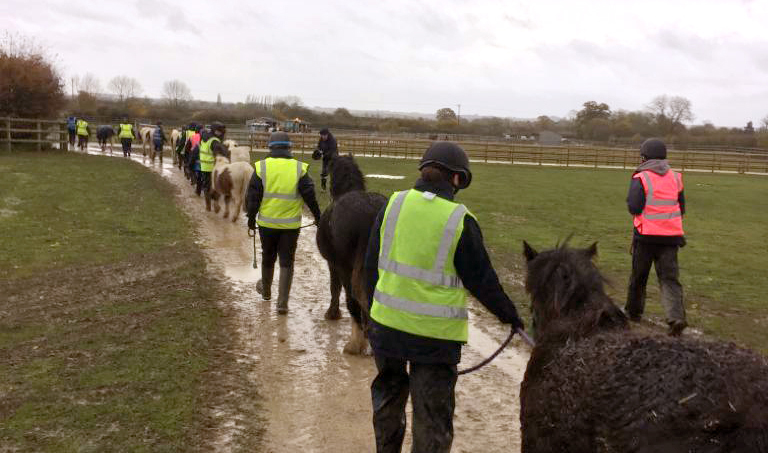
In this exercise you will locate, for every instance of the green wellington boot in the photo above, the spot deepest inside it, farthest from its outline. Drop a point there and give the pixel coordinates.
(264, 285)
(284, 289)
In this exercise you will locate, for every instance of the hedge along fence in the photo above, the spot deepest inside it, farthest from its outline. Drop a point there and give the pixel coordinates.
(44, 133)
(53, 133)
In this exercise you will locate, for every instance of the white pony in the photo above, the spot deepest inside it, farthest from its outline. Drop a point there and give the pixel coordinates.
(175, 138)
(146, 139)
(230, 180)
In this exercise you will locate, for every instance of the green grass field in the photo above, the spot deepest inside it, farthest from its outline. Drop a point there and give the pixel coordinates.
(723, 267)
(106, 319)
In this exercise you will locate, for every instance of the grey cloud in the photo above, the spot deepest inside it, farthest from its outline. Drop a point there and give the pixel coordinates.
(519, 23)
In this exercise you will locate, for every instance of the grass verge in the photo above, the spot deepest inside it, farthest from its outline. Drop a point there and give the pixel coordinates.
(109, 331)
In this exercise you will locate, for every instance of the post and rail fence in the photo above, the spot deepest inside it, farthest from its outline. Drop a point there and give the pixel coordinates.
(47, 134)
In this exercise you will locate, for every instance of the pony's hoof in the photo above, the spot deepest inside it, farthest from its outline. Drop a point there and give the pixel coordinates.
(357, 348)
(216, 209)
(332, 314)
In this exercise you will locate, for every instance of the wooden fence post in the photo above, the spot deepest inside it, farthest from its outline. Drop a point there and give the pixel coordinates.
(8, 132)
(39, 136)
(486, 152)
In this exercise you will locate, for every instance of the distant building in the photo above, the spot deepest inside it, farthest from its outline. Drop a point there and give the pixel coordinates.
(549, 138)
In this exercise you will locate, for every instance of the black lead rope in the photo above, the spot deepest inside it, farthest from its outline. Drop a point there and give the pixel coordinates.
(498, 351)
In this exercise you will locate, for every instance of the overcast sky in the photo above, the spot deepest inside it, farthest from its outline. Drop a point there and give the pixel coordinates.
(506, 58)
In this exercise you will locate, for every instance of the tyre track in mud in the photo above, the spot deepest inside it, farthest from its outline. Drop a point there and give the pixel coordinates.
(313, 397)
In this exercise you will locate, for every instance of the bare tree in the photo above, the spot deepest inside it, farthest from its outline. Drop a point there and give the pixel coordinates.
(680, 110)
(176, 93)
(670, 112)
(125, 87)
(89, 83)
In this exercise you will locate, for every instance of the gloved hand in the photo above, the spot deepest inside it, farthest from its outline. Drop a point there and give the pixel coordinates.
(317, 154)
(251, 223)
(513, 318)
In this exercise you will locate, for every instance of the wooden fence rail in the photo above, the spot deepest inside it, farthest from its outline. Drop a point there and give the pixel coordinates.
(53, 133)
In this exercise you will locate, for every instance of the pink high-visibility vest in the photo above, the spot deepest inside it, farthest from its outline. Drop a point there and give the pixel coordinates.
(194, 140)
(661, 215)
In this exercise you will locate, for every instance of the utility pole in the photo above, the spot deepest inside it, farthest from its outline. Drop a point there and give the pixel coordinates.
(458, 116)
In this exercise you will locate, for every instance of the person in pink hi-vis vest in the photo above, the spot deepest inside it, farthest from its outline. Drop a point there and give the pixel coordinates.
(657, 203)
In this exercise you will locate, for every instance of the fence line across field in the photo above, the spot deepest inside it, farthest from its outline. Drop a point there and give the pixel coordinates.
(739, 161)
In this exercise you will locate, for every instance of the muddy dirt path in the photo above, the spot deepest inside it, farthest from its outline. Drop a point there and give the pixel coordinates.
(316, 398)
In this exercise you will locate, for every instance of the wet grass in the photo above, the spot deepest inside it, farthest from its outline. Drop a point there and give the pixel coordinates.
(107, 319)
(723, 267)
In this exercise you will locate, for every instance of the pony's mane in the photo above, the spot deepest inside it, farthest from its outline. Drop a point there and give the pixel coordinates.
(567, 293)
(345, 176)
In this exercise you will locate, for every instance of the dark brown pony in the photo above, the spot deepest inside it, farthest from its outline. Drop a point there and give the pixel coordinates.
(342, 237)
(593, 385)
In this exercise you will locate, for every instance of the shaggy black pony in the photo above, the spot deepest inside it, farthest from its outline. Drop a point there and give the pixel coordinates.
(593, 385)
(342, 237)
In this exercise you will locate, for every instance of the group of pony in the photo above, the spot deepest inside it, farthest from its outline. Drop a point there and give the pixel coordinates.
(593, 383)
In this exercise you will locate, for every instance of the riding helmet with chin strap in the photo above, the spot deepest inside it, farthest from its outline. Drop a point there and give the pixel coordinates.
(653, 148)
(217, 126)
(451, 157)
(278, 140)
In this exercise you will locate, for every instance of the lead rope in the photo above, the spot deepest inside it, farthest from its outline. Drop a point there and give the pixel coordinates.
(485, 362)
(252, 233)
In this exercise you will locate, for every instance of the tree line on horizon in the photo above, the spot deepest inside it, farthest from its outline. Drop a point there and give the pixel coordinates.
(32, 87)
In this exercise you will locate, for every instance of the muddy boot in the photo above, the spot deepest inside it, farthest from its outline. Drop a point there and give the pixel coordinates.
(264, 285)
(284, 289)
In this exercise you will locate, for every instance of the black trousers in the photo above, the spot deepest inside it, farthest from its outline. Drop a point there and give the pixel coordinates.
(72, 135)
(664, 258)
(126, 142)
(431, 387)
(326, 165)
(278, 243)
(203, 182)
(82, 141)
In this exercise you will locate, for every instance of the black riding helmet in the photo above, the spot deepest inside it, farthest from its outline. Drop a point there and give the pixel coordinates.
(217, 126)
(450, 156)
(653, 148)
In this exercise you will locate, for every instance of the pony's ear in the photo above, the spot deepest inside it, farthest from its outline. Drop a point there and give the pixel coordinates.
(591, 251)
(529, 252)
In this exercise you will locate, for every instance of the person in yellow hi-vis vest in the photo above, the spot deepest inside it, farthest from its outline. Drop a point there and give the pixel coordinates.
(277, 191)
(83, 131)
(210, 147)
(426, 252)
(126, 136)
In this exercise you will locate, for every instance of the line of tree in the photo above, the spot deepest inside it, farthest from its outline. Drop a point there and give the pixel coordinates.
(31, 86)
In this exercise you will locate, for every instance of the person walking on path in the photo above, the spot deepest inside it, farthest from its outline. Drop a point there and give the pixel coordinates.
(278, 189)
(72, 131)
(83, 131)
(158, 141)
(126, 136)
(210, 147)
(425, 253)
(326, 149)
(657, 203)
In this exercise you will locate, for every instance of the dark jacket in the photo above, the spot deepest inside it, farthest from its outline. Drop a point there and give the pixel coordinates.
(473, 267)
(328, 147)
(256, 189)
(636, 202)
(158, 136)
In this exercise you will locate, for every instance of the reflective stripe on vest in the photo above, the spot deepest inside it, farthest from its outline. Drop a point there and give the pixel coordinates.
(126, 131)
(82, 126)
(207, 161)
(281, 202)
(418, 290)
(661, 215)
(282, 196)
